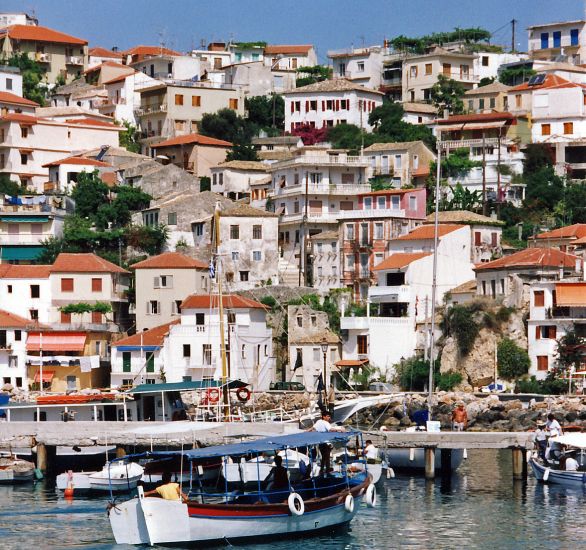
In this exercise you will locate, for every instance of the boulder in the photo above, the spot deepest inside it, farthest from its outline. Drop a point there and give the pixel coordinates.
(512, 405)
(392, 422)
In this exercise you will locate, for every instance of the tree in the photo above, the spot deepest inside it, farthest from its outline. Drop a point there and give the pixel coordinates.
(571, 350)
(515, 76)
(266, 112)
(34, 85)
(512, 361)
(227, 125)
(486, 80)
(537, 156)
(129, 138)
(458, 321)
(472, 36)
(8, 186)
(447, 93)
(346, 136)
(573, 205)
(311, 75)
(412, 374)
(457, 164)
(89, 193)
(462, 199)
(389, 126)
(205, 184)
(310, 135)
(241, 151)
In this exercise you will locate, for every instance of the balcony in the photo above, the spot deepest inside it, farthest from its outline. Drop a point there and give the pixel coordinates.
(312, 217)
(461, 76)
(41, 57)
(325, 160)
(24, 239)
(323, 189)
(370, 214)
(73, 60)
(365, 323)
(151, 109)
(390, 294)
(89, 327)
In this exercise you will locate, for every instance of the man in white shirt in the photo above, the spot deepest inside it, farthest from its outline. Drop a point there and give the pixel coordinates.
(370, 451)
(553, 426)
(571, 464)
(324, 425)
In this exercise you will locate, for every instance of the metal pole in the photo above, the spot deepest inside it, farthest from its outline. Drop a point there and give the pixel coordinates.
(483, 174)
(325, 380)
(41, 357)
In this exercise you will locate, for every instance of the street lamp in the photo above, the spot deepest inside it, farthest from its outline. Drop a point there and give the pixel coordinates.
(324, 349)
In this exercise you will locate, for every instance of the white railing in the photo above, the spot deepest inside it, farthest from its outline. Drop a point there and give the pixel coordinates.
(399, 293)
(373, 213)
(315, 217)
(73, 60)
(316, 160)
(324, 189)
(41, 57)
(364, 323)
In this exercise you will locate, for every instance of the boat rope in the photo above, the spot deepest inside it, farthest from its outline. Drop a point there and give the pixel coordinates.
(111, 506)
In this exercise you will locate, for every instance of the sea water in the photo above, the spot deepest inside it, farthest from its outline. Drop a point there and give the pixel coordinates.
(480, 507)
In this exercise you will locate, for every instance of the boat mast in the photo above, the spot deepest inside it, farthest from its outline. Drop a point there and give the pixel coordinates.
(225, 392)
(434, 277)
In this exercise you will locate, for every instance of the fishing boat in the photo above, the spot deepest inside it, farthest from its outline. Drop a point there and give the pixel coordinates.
(311, 505)
(114, 476)
(15, 470)
(550, 469)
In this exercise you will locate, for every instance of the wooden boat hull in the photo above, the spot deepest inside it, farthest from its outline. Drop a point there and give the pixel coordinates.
(154, 520)
(557, 477)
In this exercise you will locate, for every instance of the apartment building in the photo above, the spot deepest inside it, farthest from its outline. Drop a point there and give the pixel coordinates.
(29, 143)
(8, 19)
(552, 40)
(555, 308)
(61, 55)
(189, 348)
(488, 99)
(362, 66)
(140, 53)
(419, 113)
(172, 110)
(234, 178)
(11, 82)
(289, 57)
(402, 163)
(568, 239)
(326, 260)
(13, 335)
(99, 55)
(169, 67)
(64, 173)
(330, 102)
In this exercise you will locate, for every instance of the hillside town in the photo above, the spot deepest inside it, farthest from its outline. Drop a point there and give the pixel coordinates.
(167, 215)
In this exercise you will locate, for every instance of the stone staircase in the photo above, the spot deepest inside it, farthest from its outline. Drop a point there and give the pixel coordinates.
(288, 273)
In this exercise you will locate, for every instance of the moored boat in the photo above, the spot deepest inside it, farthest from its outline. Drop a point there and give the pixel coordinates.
(15, 470)
(114, 476)
(551, 468)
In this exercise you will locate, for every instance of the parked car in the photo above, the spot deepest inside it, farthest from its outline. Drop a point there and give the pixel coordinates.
(382, 387)
(287, 386)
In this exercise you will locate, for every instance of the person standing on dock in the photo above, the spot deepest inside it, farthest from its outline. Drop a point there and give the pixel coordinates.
(553, 426)
(324, 425)
(459, 418)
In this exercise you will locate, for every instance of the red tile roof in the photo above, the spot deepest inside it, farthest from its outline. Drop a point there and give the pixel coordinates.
(195, 139)
(92, 122)
(83, 263)
(400, 260)
(288, 48)
(7, 97)
(19, 117)
(10, 271)
(150, 50)
(578, 230)
(476, 117)
(152, 337)
(98, 51)
(95, 68)
(425, 232)
(170, 260)
(35, 33)
(550, 81)
(10, 320)
(531, 257)
(230, 301)
(118, 78)
(77, 160)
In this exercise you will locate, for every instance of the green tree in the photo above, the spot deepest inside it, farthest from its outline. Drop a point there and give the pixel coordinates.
(485, 81)
(241, 151)
(571, 350)
(266, 112)
(447, 93)
(8, 186)
(129, 138)
(205, 184)
(89, 193)
(34, 86)
(457, 164)
(389, 126)
(573, 204)
(346, 136)
(472, 36)
(458, 321)
(462, 199)
(512, 361)
(412, 374)
(311, 75)
(227, 125)
(515, 76)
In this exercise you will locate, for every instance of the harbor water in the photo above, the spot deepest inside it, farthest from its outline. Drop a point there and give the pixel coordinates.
(481, 507)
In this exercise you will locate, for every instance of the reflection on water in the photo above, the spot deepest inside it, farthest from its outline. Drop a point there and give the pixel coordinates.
(480, 507)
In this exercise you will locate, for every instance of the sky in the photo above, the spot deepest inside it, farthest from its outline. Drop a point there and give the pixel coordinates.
(328, 24)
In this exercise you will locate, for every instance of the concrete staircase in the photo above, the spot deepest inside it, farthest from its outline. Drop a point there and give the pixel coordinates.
(288, 273)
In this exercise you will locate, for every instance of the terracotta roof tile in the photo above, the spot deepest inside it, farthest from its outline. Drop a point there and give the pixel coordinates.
(400, 260)
(426, 232)
(230, 301)
(7, 97)
(118, 78)
(288, 48)
(170, 260)
(195, 139)
(150, 51)
(13, 271)
(577, 230)
(19, 117)
(98, 51)
(463, 217)
(36, 33)
(241, 210)
(11, 320)
(464, 288)
(335, 85)
(77, 160)
(476, 117)
(83, 263)
(95, 68)
(92, 122)
(252, 165)
(550, 81)
(531, 257)
(152, 337)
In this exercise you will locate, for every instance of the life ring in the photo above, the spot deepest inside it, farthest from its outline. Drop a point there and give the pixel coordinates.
(370, 496)
(349, 504)
(296, 504)
(243, 394)
(213, 395)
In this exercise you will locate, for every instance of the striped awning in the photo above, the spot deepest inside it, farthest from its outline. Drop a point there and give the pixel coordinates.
(24, 219)
(56, 341)
(47, 375)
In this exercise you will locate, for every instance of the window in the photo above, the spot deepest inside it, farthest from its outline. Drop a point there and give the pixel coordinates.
(17, 335)
(464, 71)
(413, 71)
(65, 317)
(200, 319)
(518, 100)
(428, 68)
(360, 66)
(378, 230)
(150, 362)
(300, 321)
(34, 314)
(395, 202)
(350, 232)
(153, 307)
(542, 362)
(244, 276)
(198, 229)
(23, 132)
(9, 81)
(494, 239)
(568, 127)
(350, 262)
(178, 99)
(126, 360)
(23, 158)
(186, 350)
(316, 354)
(35, 291)
(296, 207)
(342, 69)
(320, 271)
(447, 69)
(233, 104)
(381, 203)
(66, 285)
(412, 202)
(477, 238)
(545, 332)
(256, 255)
(471, 105)
(243, 351)
(544, 40)
(557, 39)
(234, 232)
(172, 218)
(196, 101)
(313, 105)
(367, 203)
(313, 321)
(539, 298)
(315, 178)
(481, 103)
(207, 354)
(221, 178)
(492, 102)
(485, 60)
(573, 37)
(235, 255)
(96, 317)
(166, 281)
(335, 271)
(96, 284)
(9, 289)
(546, 129)
(176, 307)
(257, 231)
(362, 344)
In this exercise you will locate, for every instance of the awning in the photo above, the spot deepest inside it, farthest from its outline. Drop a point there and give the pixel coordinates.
(185, 386)
(20, 252)
(56, 341)
(450, 128)
(47, 375)
(138, 348)
(570, 294)
(24, 219)
(351, 363)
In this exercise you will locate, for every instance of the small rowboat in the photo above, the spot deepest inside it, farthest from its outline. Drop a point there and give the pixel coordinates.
(116, 477)
(15, 470)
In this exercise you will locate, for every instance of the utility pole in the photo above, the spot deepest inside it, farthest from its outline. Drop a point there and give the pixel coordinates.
(513, 29)
(483, 174)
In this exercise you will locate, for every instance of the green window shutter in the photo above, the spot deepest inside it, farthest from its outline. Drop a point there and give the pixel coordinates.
(126, 361)
(150, 365)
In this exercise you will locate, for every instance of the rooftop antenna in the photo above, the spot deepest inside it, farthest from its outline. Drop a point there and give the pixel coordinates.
(513, 29)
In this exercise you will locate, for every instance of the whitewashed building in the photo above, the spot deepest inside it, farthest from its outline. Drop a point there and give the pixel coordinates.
(234, 178)
(13, 335)
(552, 40)
(362, 66)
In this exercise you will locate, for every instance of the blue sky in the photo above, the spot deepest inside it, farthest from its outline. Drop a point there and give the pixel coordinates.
(328, 24)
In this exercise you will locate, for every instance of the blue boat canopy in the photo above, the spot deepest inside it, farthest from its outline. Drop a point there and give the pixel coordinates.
(185, 386)
(267, 444)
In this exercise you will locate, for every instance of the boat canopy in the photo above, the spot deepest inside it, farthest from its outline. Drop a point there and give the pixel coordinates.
(266, 444)
(185, 386)
(577, 440)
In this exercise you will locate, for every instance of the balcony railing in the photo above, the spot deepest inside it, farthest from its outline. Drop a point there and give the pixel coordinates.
(150, 109)
(364, 323)
(375, 213)
(325, 160)
(92, 327)
(74, 60)
(398, 293)
(324, 189)
(41, 57)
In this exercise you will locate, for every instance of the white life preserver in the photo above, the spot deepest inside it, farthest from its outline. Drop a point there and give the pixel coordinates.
(296, 504)
(370, 496)
(546, 474)
(349, 504)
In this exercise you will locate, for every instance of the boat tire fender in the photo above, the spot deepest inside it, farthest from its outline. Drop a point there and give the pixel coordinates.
(243, 394)
(349, 504)
(370, 496)
(213, 395)
(296, 504)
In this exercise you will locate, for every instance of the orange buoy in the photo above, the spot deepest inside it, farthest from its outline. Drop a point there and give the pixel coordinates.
(68, 492)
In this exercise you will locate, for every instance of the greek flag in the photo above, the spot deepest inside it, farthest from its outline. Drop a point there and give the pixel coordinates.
(212, 268)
